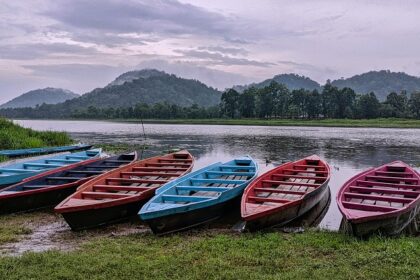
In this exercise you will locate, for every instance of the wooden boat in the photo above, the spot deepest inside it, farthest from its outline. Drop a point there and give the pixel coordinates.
(50, 188)
(381, 200)
(285, 193)
(16, 172)
(44, 150)
(199, 197)
(119, 194)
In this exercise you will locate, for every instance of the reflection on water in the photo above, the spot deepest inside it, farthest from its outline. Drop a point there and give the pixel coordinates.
(347, 150)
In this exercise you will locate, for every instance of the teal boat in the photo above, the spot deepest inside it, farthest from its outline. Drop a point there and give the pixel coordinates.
(199, 197)
(16, 172)
(44, 150)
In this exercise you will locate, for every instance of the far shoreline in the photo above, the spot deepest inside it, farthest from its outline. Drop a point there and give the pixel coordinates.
(351, 123)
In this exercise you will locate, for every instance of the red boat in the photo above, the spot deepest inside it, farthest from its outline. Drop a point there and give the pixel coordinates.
(285, 193)
(383, 200)
(119, 194)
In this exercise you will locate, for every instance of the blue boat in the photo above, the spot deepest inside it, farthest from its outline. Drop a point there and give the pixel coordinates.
(44, 150)
(16, 172)
(199, 197)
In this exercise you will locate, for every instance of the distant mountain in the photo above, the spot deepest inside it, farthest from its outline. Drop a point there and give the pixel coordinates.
(134, 75)
(380, 82)
(291, 81)
(40, 96)
(144, 86)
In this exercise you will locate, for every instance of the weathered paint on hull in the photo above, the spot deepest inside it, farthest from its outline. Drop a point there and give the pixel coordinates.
(35, 201)
(281, 218)
(93, 218)
(406, 223)
(187, 220)
(314, 216)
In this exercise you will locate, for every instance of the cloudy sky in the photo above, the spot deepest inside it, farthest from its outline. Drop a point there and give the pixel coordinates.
(80, 45)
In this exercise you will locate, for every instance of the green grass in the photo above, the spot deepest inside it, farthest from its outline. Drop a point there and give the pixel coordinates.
(385, 123)
(212, 255)
(13, 136)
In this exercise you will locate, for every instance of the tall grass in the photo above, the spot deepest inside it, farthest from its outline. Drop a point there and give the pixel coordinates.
(13, 136)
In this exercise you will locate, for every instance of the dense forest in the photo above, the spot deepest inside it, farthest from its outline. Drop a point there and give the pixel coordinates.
(272, 101)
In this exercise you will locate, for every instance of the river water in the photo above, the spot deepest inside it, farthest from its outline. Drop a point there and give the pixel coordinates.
(347, 150)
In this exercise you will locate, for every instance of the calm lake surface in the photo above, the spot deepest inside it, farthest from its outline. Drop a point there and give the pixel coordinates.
(347, 150)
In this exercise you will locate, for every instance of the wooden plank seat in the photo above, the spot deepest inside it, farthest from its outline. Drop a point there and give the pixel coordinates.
(41, 165)
(276, 190)
(215, 181)
(184, 198)
(268, 199)
(119, 188)
(308, 166)
(237, 167)
(228, 173)
(203, 188)
(378, 197)
(131, 180)
(298, 176)
(387, 178)
(291, 183)
(167, 164)
(62, 160)
(385, 191)
(390, 173)
(368, 207)
(77, 157)
(305, 171)
(175, 160)
(102, 195)
(147, 168)
(14, 170)
(149, 173)
(384, 184)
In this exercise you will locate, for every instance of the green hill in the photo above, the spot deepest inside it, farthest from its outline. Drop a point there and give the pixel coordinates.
(40, 96)
(380, 82)
(291, 81)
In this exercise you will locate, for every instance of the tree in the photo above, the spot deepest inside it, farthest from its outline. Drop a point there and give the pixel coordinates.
(230, 100)
(415, 104)
(398, 104)
(247, 103)
(368, 106)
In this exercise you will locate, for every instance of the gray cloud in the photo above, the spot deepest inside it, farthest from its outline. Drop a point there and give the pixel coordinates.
(77, 77)
(216, 58)
(225, 50)
(144, 16)
(33, 51)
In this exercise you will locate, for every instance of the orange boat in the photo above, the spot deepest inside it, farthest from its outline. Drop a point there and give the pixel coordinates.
(285, 193)
(119, 194)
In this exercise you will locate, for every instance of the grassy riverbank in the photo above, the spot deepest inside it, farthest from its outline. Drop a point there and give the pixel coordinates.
(13, 136)
(383, 123)
(216, 255)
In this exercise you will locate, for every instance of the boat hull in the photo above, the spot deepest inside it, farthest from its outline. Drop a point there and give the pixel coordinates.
(404, 223)
(285, 215)
(92, 218)
(187, 220)
(35, 201)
